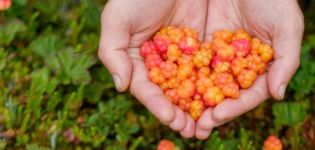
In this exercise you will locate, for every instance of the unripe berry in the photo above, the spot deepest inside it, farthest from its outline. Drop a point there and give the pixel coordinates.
(168, 69)
(220, 66)
(272, 143)
(266, 52)
(213, 96)
(161, 42)
(231, 90)
(147, 48)
(242, 47)
(166, 145)
(188, 45)
(156, 76)
(246, 78)
(238, 64)
(186, 89)
(256, 63)
(153, 60)
(202, 58)
(196, 109)
(225, 35)
(173, 52)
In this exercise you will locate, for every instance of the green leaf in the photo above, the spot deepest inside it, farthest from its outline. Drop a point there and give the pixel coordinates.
(45, 45)
(9, 30)
(289, 113)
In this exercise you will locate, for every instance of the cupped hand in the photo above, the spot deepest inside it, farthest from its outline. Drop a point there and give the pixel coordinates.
(128, 23)
(276, 22)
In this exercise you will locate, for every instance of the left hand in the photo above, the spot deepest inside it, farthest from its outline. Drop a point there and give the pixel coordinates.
(276, 22)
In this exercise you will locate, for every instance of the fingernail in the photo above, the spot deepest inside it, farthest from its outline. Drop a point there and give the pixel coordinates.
(117, 81)
(281, 90)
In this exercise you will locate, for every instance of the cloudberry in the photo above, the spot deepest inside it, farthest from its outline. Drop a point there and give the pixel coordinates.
(172, 95)
(166, 145)
(203, 84)
(156, 76)
(196, 109)
(241, 34)
(256, 63)
(217, 44)
(219, 65)
(226, 53)
(168, 69)
(224, 34)
(255, 43)
(172, 83)
(190, 33)
(223, 78)
(266, 52)
(184, 104)
(272, 143)
(175, 34)
(231, 90)
(186, 89)
(186, 60)
(213, 96)
(246, 78)
(153, 60)
(197, 96)
(184, 72)
(173, 52)
(242, 47)
(202, 58)
(188, 45)
(203, 72)
(147, 48)
(238, 64)
(206, 46)
(161, 42)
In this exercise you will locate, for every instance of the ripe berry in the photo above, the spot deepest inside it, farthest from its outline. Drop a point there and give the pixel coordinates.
(266, 52)
(186, 89)
(202, 58)
(226, 53)
(241, 34)
(203, 72)
(153, 60)
(161, 43)
(173, 52)
(156, 76)
(231, 90)
(238, 64)
(225, 35)
(203, 84)
(188, 45)
(147, 48)
(196, 109)
(246, 78)
(175, 34)
(242, 47)
(5, 4)
(213, 96)
(256, 63)
(190, 33)
(172, 95)
(272, 143)
(184, 72)
(166, 145)
(255, 43)
(168, 69)
(223, 78)
(219, 65)
(184, 104)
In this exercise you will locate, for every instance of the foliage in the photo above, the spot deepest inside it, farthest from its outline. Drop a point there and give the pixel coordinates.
(55, 94)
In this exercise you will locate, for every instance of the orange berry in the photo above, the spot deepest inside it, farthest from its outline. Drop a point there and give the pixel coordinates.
(175, 34)
(152, 60)
(184, 72)
(147, 48)
(238, 65)
(203, 84)
(246, 78)
(202, 58)
(184, 104)
(173, 53)
(242, 47)
(255, 43)
(203, 72)
(172, 83)
(168, 69)
(190, 33)
(241, 34)
(272, 143)
(196, 109)
(224, 34)
(266, 52)
(226, 53)
(156, 76)
(256, 63)
(223, 78)
(186, 60)
(161, 42)
(219, 65)
(213, 96)
(186, 89)
(166, 145)
(231, 90)
(217, 44)
(172, 95)
(188, 45)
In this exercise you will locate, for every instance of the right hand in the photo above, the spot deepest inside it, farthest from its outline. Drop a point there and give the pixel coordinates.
(128, 23)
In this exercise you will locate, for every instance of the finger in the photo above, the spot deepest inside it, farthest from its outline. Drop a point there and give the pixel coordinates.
(202, 134)
(150, 94)
(190, 128)
(114, 41)
(287, 45)
(179, 122)
(249, 99)
(206, 122)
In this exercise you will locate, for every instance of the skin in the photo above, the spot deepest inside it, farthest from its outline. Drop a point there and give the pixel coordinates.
(276, 22)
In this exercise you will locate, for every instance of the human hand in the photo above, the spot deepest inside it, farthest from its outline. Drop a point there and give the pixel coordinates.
(126, 24)
(276, 22)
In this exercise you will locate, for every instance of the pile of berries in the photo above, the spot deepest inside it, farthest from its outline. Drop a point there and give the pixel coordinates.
(195, 75)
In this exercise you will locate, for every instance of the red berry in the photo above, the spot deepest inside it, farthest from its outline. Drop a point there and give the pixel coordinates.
(147, 48)
(166, 145)
(188, 45)
(153, 60)
(242, 47)
(272, 143)
(161, 43)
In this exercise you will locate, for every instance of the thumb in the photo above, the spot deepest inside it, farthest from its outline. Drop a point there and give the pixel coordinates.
(287, 45)
(114, 41)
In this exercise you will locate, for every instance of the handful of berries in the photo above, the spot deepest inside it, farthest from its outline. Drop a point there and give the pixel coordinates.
(195, 75)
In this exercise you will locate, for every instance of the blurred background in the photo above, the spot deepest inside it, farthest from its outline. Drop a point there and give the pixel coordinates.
(55, 93)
